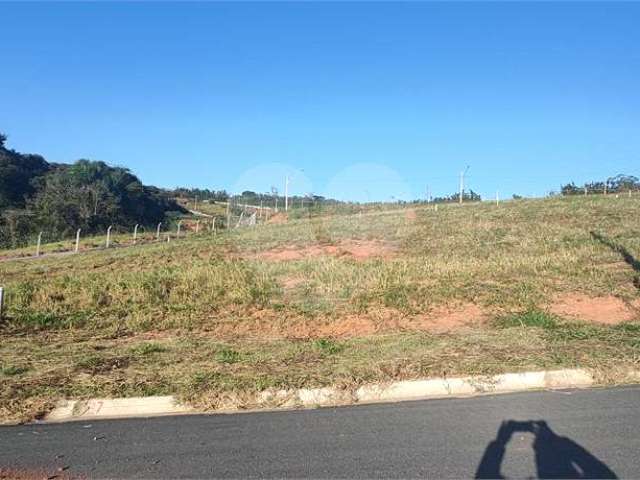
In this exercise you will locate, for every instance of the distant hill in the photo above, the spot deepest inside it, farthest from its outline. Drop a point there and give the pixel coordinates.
(36, 195)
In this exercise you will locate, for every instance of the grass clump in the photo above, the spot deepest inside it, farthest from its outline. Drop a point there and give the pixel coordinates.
(147, 348)
(43, 320)
(228, 355)
(11, 370)
(529, 318)
(327, 346)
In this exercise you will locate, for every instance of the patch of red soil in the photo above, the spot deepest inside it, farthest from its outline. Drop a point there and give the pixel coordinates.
(607, 310)
(360, 250)
(292, 282)
(447, 318)
(349, 326)
(270, 324)
(410, 215)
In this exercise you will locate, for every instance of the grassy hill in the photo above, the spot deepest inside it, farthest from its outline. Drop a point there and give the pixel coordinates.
(329, 298)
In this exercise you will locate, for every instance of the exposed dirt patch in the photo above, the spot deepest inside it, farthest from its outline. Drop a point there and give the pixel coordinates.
(447, 318)
(410, 215)
(270, 324)
(290, 283)
(358, 249)
(278, 218)
(607, 310)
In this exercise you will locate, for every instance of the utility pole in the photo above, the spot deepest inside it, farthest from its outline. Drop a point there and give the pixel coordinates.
(462, 174)
(428, 194)
(286, 193)
(274, 194)
(228, 213)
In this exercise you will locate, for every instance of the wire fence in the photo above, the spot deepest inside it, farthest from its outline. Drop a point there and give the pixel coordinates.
(236, 215)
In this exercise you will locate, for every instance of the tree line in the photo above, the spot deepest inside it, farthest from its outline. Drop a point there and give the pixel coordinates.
(618, 184)
(58, 199)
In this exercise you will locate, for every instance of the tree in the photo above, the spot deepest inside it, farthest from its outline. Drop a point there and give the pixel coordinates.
(617, 184)
(93, 195)
(18, 173)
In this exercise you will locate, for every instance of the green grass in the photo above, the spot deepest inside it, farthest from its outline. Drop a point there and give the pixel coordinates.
(208, 318)
(531, 318)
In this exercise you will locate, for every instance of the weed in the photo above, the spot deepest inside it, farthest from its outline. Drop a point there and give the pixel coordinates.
(99, 364)
(228, 355)
(147, 348)
(530, 318)
(23, 294)
(328, 346)
(48, 320)
(10, 370)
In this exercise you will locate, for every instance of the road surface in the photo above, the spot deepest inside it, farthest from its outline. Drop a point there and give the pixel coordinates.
(590, 433)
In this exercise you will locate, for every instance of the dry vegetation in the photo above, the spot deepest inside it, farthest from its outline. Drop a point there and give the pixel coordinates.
(328, 299)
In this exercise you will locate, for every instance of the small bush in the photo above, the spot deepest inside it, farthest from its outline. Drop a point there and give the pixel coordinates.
(22, 294)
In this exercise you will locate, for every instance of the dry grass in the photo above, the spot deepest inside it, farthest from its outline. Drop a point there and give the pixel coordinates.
(211, 316)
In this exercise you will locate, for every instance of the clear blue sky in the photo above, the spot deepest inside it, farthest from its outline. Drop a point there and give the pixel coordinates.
(356, 100)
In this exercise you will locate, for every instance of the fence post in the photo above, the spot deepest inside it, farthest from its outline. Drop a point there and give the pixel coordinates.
(629, 193)
(135, 233)
(228, 214)
(158, 231)
(109, 235)
(197, 226)
(213, 226)
(78, 240)
(497, 199)
(38, 245)
(179, 226)
(585, 191)
(1, 301)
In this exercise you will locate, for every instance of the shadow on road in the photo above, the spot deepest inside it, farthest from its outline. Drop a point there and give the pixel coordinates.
(555, 456)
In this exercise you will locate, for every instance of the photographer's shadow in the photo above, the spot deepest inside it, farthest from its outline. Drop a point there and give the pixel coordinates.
(555, 456)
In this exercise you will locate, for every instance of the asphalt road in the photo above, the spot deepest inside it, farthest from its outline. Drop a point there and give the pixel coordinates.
(590, 433)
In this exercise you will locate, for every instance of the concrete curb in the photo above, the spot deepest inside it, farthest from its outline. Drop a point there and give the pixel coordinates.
(69, 410)
(116, 408)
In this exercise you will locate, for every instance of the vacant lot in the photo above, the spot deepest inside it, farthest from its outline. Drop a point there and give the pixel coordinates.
(329, 299)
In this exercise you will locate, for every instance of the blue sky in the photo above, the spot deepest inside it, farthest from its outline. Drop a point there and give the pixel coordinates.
(365, 101)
